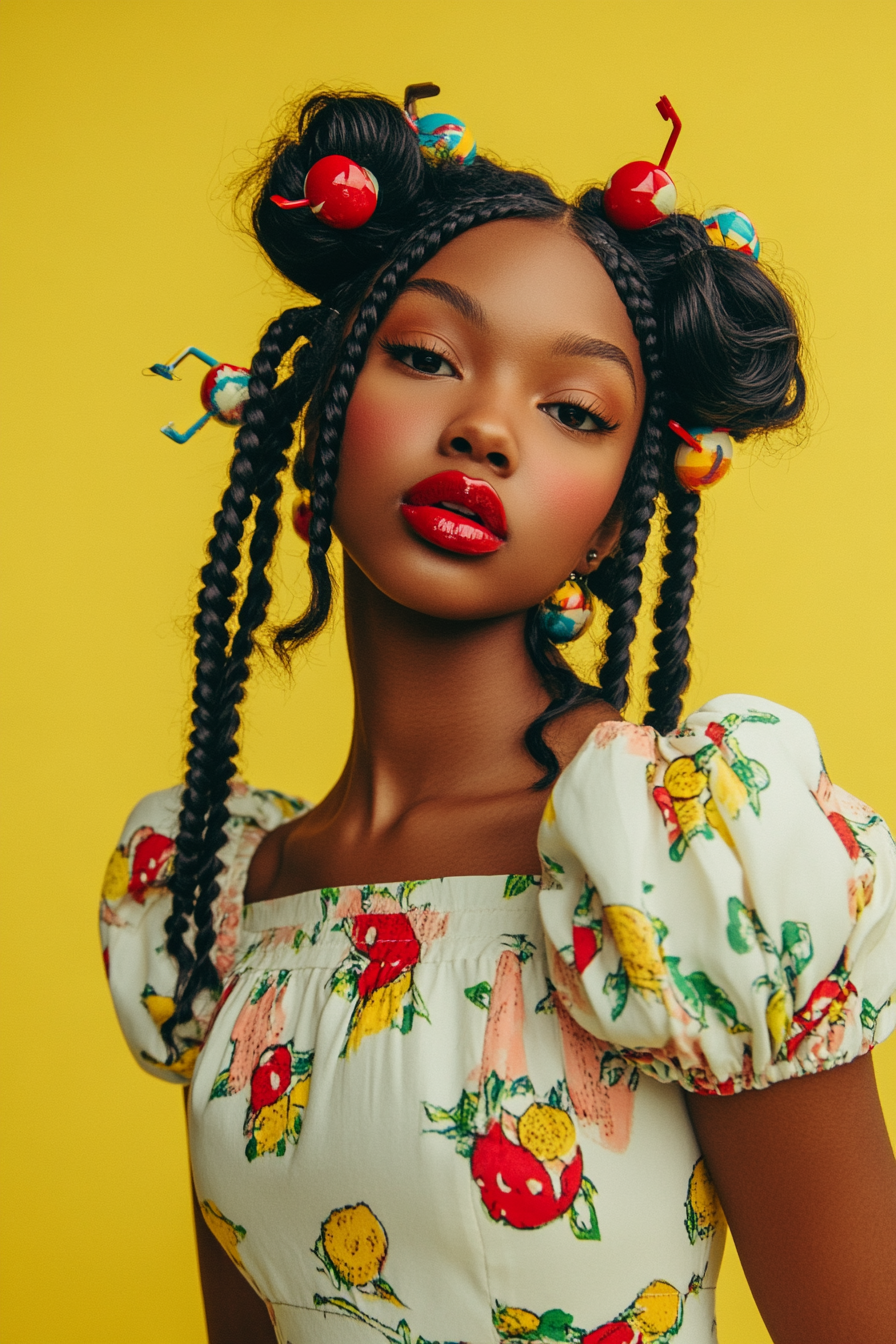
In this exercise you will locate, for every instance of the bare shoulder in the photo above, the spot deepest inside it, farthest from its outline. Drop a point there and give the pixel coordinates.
(266, 864)
(566, 734)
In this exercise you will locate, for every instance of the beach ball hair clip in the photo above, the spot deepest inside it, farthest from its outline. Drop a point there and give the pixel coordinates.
(641, 193)
(338, 191)
(732, 229)
(703, 457)
(224, 392)
(443, 138)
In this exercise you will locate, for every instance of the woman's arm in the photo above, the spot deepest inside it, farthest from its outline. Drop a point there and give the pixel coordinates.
(234, 1313)
(807, 1178)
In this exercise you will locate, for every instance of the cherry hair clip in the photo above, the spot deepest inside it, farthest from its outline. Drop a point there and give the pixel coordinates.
(640, 193)
(703, 458)
(337, 190)
(224, 392)
(442, 137)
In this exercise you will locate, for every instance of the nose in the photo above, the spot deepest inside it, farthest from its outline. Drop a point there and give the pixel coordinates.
(482, 435)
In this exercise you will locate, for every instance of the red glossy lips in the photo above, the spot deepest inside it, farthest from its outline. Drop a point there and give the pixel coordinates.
(457, 513)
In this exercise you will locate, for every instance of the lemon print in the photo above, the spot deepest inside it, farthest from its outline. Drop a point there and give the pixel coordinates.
(513, 1321)
(184, 1065)
(159, 1006)
(703, 1211)
(550, 816)
(115, 882)
(227, 1233)
(546, 1131)
(298, 1097)
(657, 1310)
(729, 788)
(636, 939)
(778, 1019)
(355, 1243)
(269, 1126)
(717, 822)
(690, 813)
(683, 779)
(378, 1011)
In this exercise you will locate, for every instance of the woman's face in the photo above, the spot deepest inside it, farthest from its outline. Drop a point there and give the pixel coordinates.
(491, 425)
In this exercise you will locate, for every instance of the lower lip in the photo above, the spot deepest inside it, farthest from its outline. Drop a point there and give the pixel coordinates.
(450, 531)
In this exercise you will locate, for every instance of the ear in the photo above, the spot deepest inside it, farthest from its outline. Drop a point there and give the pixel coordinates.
(603, 541)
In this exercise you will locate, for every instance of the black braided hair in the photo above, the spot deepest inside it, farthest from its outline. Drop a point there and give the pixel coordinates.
(221, 671)
(719, 344)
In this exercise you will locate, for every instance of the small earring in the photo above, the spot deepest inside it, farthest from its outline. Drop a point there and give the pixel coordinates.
(301, 515)
(591, 557)
(567, 612)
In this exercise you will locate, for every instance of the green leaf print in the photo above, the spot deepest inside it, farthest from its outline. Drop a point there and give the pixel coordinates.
(617, 984)
(299, 939)
(219, 1087)
(582, 1213)
(553, 1325)
(480, 994)
(869, 1015)
(547, 1004)
(700, 993)
(517, 883)
(552, 865)
(520, 944)
(741, 933)
(796, 943)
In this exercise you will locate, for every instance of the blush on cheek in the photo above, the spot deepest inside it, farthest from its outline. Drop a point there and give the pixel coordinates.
(574, 505)
(381, 432)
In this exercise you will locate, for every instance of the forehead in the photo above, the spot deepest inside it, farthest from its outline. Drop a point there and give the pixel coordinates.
(537, 277)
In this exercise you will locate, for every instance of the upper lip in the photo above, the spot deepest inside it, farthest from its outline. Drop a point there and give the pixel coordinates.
(454, 488)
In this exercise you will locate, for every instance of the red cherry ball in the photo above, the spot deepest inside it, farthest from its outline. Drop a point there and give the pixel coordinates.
(341, 192)
(639, 194)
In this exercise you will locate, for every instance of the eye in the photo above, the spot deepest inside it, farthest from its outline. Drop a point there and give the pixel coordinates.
(573, 415)
(420, 358)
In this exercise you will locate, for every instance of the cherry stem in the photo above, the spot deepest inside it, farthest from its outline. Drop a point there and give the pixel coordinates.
(682, 433)
(284, 204)
(668, 113)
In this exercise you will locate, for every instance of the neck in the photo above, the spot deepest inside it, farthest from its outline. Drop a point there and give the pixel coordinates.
(438, 704)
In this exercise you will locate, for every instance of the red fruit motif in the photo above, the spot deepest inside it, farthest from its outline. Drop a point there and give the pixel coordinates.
(847, 839)
(515, 1186)
(715, 732)
(271, 1079)
(827, 1000)
(391, 946)
(149, 862)
(615, 1332)
(584, 946)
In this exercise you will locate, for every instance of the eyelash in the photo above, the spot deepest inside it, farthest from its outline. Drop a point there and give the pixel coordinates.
(395, 349)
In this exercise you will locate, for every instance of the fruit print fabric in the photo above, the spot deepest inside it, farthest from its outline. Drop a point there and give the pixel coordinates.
(729, 965)
(333, 1132)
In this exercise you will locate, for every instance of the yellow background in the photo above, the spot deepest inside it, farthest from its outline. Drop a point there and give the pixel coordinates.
(123, 122)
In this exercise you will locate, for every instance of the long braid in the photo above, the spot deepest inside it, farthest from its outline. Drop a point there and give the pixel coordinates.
(672, 644)
(261, 445)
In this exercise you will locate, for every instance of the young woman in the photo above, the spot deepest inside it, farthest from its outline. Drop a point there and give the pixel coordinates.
(474, 1043)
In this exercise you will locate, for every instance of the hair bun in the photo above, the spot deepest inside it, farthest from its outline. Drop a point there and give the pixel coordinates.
(374, 132)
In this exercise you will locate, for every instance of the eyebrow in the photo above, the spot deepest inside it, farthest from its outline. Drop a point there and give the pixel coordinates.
(458, 299)
(592, 348)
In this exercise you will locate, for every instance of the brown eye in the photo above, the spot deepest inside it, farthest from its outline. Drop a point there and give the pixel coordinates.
(573, 416)
(421, 359)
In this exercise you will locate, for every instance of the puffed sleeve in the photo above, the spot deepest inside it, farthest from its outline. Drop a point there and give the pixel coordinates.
(136, 903)
(714, 907)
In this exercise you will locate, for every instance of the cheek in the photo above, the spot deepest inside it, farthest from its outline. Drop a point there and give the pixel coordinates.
(381, 433)
(575, 503)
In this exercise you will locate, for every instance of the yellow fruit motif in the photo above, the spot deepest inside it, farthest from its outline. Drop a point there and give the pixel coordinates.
(550, 816)
(355, 1242)
(378, 1011)
(690, 813)
(546, 1131)
(269, 1125)
(718, 823)
(729, 788)
(159, 1006)
(656, 1311)
(183, 1066)
(778, 1019)
(636, 939)
(115, 882)
(683, 779)
(513, 1321)
(703, 1211)
(227, 1233)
